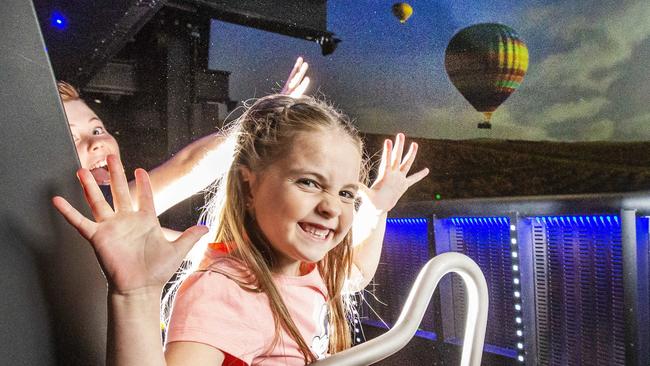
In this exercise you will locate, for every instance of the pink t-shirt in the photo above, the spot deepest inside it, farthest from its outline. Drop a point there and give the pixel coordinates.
(213, 309)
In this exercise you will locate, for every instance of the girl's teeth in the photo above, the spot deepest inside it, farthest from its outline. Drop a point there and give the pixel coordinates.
(320, 233)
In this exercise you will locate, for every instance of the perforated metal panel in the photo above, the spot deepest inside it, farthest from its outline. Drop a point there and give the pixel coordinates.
(487, 241)
(578, 290)
(406, 250)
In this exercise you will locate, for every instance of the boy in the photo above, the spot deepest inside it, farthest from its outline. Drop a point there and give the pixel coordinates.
(174, 180)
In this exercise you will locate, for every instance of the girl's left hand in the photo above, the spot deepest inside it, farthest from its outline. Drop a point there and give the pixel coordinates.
(392, 177)
(128, 241)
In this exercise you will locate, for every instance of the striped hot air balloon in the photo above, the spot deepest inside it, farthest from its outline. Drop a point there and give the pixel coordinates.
(486, 63)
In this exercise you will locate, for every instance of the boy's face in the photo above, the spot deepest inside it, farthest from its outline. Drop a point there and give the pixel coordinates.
(92, 140)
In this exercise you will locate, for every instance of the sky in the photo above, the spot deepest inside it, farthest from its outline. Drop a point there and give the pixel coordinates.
(587, 78)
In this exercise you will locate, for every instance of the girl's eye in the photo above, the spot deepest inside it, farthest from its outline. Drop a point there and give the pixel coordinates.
(98, 131)
(347, 196)
(309, 183)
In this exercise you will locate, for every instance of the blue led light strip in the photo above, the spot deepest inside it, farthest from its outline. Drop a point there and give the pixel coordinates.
(406, 220)
(516, 288)
(479, 221)
(592, 220)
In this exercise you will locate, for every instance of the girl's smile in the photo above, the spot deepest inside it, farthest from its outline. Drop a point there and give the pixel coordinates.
(315, 231)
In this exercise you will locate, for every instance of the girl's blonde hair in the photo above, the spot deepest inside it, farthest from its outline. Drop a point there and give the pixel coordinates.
(262, 135)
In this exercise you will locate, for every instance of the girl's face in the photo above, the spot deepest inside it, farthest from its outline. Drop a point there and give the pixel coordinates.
(304, 202)
(92, 140)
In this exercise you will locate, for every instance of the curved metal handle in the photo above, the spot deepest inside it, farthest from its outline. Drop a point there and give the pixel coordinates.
(392, 341)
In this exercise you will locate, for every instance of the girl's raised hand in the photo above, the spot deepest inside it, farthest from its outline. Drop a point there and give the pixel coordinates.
(128, 240)
(392, 177)
(297, 82)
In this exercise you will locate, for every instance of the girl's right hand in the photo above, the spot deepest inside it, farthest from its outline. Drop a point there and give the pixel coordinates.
(128, 241)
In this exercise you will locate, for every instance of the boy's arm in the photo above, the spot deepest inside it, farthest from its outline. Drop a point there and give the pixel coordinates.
(370, 221)
(189, 171)
(200, 163)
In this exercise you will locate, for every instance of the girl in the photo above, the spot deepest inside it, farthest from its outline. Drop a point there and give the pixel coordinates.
(272, 289)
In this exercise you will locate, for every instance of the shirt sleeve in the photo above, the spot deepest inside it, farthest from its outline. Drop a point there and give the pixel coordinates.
(208, 308)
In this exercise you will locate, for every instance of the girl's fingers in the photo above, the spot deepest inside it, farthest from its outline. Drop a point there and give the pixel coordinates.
(188, 238)
(409, 158)
(145, 194)
(416, 177)
(398, 151)
(119, 185)
(94, 196)
(385, 157)
(84, 226)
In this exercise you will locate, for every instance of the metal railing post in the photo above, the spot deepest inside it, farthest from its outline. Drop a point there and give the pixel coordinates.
(416, 304)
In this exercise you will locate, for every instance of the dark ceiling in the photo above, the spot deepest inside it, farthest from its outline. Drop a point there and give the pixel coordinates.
(88, 33)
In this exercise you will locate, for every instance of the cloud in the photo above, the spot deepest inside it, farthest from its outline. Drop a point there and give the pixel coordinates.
(580, 54)
(635, 128)
(595, 47)
(599, 130)
(561, 112)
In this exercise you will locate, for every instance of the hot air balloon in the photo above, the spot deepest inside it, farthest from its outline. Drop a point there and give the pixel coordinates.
(402, 11)
(486, 63)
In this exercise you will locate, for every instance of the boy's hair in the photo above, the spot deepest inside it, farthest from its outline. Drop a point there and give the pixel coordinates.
(67, 91)
(263, 134)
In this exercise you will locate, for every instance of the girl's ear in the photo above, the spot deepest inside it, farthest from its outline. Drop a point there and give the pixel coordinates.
(248, 181)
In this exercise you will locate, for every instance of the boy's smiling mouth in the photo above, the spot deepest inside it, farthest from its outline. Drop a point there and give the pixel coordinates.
(100, 172)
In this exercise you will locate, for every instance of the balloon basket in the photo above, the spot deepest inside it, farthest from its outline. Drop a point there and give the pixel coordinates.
(484, 125)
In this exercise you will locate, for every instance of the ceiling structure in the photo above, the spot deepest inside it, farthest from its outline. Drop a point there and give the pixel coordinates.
(81, 39)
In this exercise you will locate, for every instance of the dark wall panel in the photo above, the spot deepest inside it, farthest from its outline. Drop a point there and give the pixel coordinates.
(53, 295)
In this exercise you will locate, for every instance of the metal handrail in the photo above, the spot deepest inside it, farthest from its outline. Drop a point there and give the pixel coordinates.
(416, 304)
(601, 203)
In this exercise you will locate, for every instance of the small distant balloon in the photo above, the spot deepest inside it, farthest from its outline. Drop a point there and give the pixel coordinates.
(486, 62)
(402, 11)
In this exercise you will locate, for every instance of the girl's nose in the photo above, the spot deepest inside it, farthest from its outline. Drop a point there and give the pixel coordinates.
(330, 205)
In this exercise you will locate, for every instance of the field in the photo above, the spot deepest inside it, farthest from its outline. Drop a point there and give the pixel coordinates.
(496, 168)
